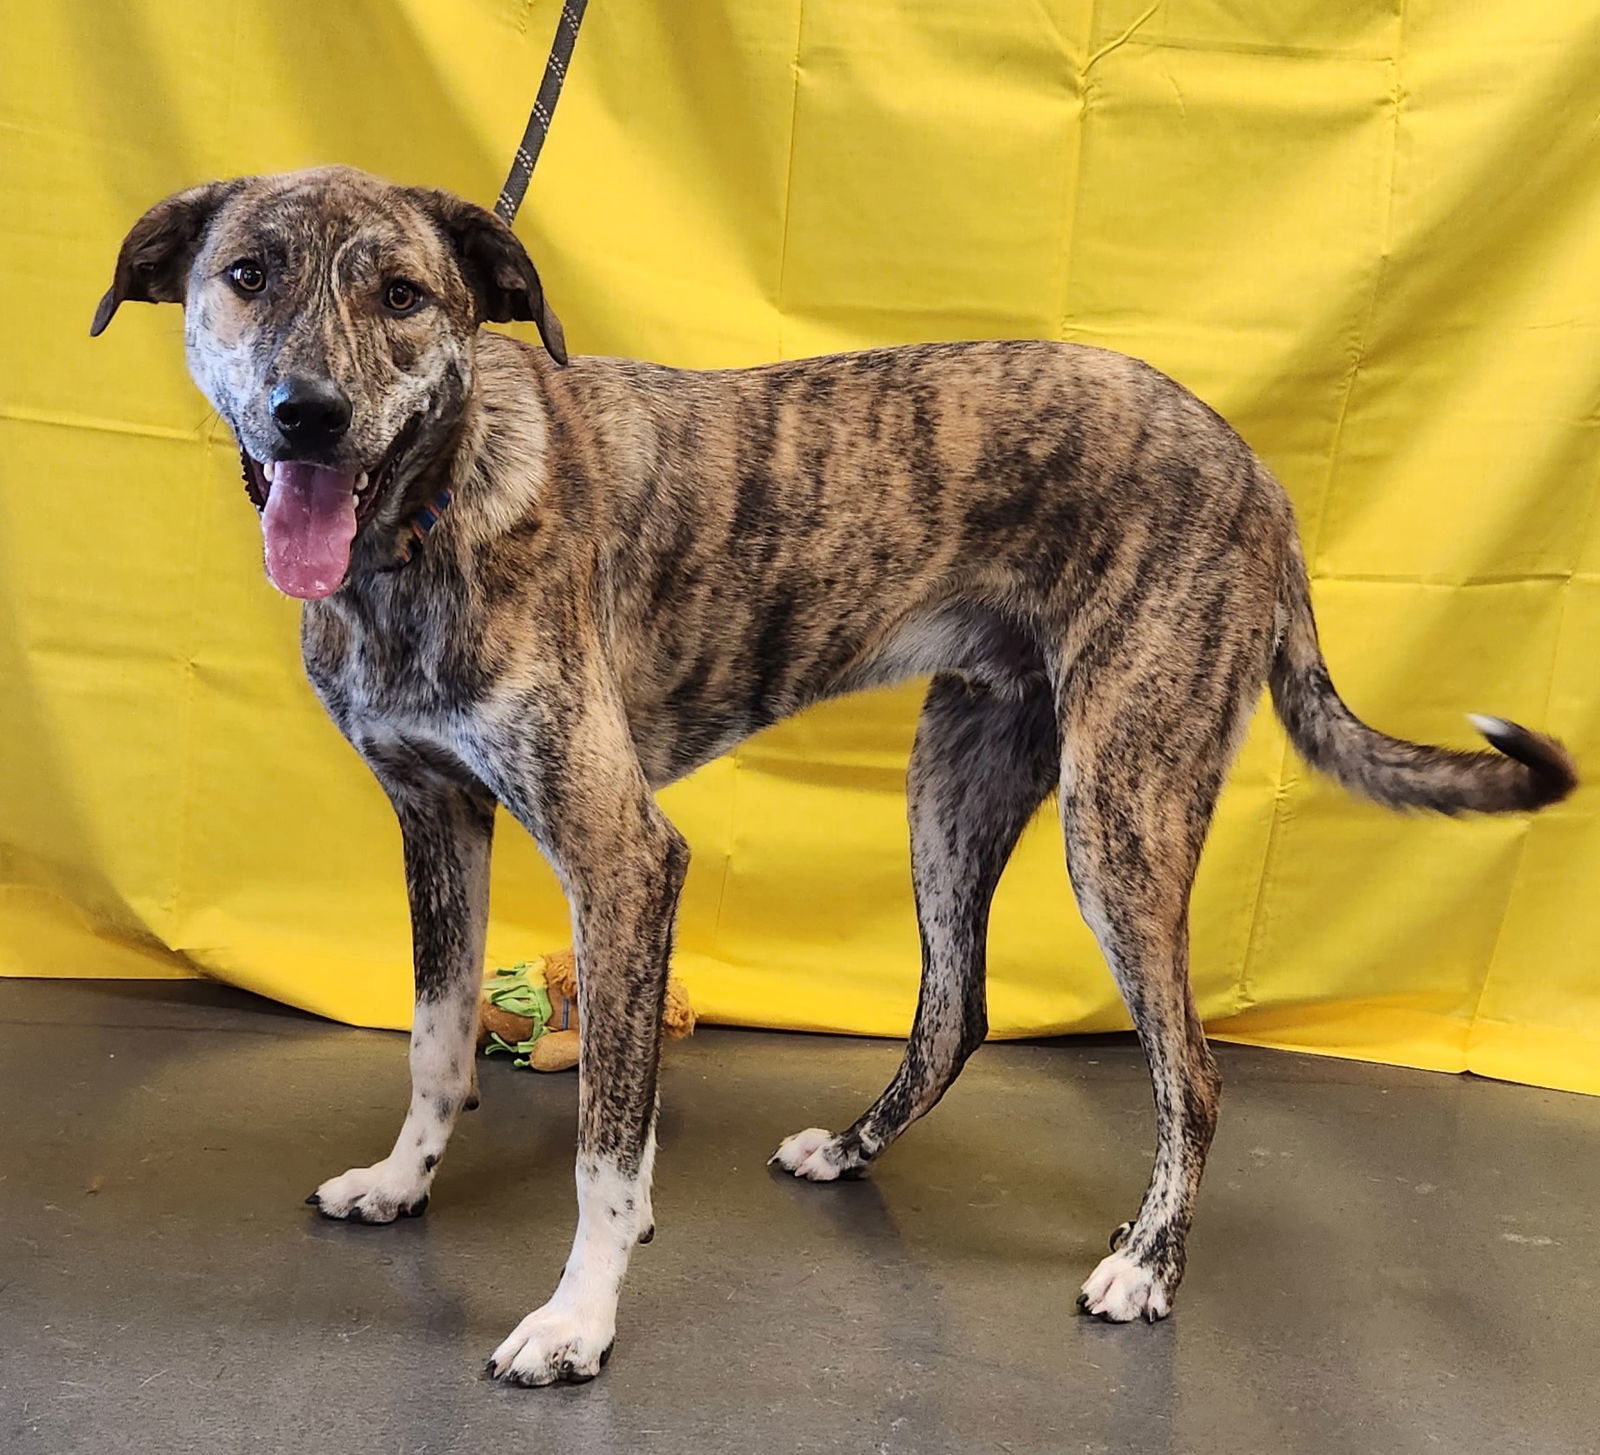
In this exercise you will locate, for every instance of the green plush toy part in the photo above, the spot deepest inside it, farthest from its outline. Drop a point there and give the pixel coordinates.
(516, 991)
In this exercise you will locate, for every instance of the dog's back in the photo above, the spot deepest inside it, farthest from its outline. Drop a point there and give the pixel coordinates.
(773, 535)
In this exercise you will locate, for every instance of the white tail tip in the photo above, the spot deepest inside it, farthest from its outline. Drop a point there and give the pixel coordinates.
(1490, 727)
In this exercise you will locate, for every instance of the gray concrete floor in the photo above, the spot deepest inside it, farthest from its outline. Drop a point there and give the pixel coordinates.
(1386, 1261)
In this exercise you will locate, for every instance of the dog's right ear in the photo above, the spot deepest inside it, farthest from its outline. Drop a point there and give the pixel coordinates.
(153, 266)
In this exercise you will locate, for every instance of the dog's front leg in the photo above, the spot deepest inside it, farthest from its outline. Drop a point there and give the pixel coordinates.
(446, 827)
(622, 865)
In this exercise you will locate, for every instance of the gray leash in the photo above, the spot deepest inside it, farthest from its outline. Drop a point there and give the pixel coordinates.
(544, 108)
(511, 195)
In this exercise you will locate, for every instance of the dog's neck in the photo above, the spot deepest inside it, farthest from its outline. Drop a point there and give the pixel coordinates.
(449, 462)
(420, 495)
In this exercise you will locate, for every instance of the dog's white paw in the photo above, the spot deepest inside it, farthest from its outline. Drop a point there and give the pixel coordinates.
(811, 1154)
(377, 1194)
(554, 1344)
(1121, 1290)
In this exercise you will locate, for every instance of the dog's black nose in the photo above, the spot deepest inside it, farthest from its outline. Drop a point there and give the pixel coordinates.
(311, 414)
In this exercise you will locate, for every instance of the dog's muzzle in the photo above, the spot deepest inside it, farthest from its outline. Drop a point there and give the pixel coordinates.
(311, 515)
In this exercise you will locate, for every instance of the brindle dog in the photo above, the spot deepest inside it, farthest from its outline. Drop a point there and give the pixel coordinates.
(642, 566)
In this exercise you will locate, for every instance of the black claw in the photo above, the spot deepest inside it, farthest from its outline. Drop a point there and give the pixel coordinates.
(1083, 1303)
(417, 1208)
(357, 1214)
(315, 1200)
(470, 1104)
(490, 1370)
(648, 1235)
(605, 1354)
(1119, 1235)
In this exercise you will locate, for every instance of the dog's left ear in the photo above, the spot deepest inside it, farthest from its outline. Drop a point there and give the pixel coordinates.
(496, 266)
(153, 266)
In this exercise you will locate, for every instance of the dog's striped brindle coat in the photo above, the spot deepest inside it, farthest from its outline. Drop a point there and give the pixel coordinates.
(642, 566)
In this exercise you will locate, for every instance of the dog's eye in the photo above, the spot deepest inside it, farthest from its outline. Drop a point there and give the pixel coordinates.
(248, 276)
(400, 296)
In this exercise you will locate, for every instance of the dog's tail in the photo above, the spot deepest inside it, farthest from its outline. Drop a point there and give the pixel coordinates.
(1527, 770)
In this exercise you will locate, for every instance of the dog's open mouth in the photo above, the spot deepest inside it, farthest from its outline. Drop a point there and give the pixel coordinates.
(311, 514)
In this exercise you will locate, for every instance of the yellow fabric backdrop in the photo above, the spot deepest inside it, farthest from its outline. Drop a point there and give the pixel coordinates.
(1367, 232)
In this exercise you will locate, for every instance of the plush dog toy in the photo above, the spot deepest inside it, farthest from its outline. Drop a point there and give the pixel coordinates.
(531, 1010)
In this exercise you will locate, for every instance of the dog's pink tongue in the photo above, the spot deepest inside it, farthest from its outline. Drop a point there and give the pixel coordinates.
(309, 523)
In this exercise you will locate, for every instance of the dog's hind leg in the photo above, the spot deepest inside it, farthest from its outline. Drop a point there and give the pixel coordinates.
(447, 828)
(982, 764)
(1145, 750)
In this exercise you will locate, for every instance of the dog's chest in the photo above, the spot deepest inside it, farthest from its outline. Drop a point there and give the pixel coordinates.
(385, 667)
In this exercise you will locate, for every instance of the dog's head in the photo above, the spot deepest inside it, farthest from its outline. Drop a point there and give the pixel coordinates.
(330, 318)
